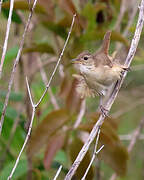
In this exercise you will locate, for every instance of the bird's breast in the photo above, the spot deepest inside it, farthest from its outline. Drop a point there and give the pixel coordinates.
(103, 75)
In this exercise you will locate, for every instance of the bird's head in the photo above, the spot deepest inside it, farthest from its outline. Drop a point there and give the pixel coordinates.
(84, 58)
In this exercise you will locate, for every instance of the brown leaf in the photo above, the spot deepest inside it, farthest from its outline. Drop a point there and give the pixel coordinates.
(93, 119)
(114, 152)
(49, 7)
(23, 5)
(65, 87)
(96, 34)
(54, 144)
(48, 127)
(73, 100)
(68, 92)
(41, 47)
(74, 149)
(69, 7)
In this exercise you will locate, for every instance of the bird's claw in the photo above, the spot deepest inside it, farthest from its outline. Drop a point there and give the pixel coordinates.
(104, 111)
(126, 68)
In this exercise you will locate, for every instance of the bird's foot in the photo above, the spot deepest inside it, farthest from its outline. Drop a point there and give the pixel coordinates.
(123, 70)
(126, 68)
(104, 111)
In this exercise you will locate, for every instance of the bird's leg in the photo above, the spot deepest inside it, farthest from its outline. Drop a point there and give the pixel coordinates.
(103, 110)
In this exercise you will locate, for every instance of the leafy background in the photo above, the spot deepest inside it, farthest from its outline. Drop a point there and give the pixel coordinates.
(53, 140)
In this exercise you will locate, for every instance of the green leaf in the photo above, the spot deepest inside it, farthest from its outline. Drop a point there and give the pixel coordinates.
(61, 157)
(20, 170)
(15, 17)
(97, 35)
(10, 112)
(13, 96)
(59, 30)
(41, 47)
(10, 118)
(11, 54)
(90, 10)
(23, 5)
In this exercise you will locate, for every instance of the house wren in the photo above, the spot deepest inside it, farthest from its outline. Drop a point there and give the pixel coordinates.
(98, 71)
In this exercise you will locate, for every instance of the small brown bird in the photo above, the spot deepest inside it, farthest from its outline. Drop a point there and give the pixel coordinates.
(98, 71)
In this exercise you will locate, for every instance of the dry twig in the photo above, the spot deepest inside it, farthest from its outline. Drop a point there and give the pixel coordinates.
(136, 135)
(128, 137)
(7, 35)
(28, 134)
(94, 155)
(34, 106)
(15, 65)
(1, 1)
(45, 80)
(81, 114)
(115, 91)
(58, 62)
(58, 172)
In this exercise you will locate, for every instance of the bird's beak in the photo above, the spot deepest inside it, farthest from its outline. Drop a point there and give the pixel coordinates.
(75, 61)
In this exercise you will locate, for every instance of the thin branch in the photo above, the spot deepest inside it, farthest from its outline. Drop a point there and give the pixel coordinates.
(7, 35)
(25, 142)
(1, 1)
(94, 155)
(15, 65)
(28, 134)
(44, 64)
(128, 137)
(58, 172)
(45, 80)
(121, 14)
(113, 96)
(29, 92)
(130, 21)
(125, 33)
(136, 135)
(35, 106)
(53, 73)
(81, 114)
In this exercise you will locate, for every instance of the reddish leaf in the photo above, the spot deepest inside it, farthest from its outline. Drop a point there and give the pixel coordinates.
(73, 100)
(68, 92)
(54, 144)
(74, 149)
(65, 87)
(47, 128)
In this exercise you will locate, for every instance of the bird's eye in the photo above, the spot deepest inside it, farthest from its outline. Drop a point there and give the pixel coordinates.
(85, 58)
